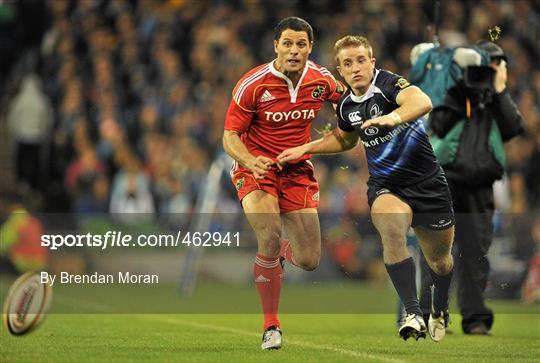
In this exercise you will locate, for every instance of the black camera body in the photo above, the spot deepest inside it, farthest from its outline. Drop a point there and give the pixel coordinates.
(479, 77)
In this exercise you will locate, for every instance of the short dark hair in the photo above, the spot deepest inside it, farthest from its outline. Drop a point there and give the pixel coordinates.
(294, 23)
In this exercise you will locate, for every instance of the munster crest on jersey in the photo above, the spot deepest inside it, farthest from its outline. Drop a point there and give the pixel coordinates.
(339, 88)
(318, 92)
(239, 183)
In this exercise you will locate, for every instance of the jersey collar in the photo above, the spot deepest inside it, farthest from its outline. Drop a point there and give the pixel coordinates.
(371, 90)
(292, 90)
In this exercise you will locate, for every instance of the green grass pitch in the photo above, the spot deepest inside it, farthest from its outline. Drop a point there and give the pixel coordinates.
(313, 337)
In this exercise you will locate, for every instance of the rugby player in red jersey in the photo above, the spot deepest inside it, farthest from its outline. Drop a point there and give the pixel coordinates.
(272, 109)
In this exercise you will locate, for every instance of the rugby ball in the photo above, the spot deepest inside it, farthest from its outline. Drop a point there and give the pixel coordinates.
(26, 304)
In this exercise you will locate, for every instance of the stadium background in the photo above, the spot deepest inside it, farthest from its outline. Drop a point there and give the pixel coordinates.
(126, 99)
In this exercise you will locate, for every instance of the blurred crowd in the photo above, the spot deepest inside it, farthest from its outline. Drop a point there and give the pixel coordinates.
(124, 108)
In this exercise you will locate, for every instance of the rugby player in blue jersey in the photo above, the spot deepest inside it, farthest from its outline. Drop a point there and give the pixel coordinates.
(406, 187)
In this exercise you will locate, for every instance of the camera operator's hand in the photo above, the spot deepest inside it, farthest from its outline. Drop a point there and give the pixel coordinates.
(501, 76)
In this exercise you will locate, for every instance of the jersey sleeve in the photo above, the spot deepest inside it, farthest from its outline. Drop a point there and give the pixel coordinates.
(391, 84)
(242, 107)
(237, 118)
(337, 89)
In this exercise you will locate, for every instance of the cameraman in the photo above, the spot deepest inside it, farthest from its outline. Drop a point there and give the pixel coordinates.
(475, 119)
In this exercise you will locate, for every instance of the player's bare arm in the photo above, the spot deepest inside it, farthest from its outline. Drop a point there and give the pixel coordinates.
(413, 104)
(233, 146)
(335, 142)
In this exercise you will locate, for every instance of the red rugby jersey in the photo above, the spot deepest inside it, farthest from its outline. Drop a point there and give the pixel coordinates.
(271, 114)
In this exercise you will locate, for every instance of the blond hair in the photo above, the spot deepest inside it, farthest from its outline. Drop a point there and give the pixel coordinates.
(352, 41)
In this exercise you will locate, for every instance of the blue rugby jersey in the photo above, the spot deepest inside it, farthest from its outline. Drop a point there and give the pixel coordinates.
(400, 155)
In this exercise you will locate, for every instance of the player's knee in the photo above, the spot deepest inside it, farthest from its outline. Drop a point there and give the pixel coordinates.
(308, 263)
(310, 266)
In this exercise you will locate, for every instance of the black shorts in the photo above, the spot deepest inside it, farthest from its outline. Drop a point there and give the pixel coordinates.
(429, 199)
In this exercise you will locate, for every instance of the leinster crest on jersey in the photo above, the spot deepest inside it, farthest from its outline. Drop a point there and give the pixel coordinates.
(318, 92)
(375, 111)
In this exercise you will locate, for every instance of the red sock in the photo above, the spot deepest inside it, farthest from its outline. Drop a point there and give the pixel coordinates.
(268, 273)
(286, 252)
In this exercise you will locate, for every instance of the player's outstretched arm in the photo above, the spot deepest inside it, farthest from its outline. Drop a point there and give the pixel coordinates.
(412, 102)
(233, 146)
(333, 142)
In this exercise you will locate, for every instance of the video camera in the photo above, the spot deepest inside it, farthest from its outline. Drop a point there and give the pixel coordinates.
(479, 77)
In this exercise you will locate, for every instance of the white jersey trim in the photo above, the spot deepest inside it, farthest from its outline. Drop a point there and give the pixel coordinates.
(341, 106)
(370, 92)
(248, 81)
(322, 70)
(293, 91)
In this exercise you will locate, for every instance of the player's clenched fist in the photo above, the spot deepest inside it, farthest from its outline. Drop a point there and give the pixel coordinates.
(260, 166)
